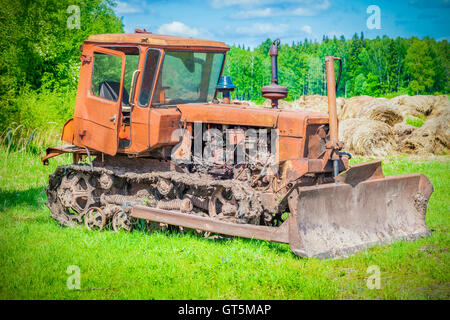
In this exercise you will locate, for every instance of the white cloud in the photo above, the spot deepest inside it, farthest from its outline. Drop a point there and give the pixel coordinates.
(258, 13)
(324, 5)
(262, 29)
(241, 3)
(179, 29)
(307, 29)
(312, 10)
(125, 8)
(304, 12)
(308, 8)
(260, 3)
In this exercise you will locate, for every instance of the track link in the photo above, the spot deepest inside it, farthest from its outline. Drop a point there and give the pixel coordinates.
(77, 188)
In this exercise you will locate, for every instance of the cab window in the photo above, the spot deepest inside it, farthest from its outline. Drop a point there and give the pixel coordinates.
(188, 76)
(107, 71)
(151, 64)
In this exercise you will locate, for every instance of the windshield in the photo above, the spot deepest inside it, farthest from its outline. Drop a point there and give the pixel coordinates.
(188, 77)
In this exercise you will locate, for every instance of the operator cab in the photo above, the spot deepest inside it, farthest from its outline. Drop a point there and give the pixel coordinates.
(131, 75)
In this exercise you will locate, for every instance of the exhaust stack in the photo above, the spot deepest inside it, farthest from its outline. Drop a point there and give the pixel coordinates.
(332, 112)
(274, 91)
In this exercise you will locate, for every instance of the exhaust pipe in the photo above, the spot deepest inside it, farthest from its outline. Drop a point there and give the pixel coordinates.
(332, 112)
(274, 92)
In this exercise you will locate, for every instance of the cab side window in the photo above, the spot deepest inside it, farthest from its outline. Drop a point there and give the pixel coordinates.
(151, 64)
(106, 74)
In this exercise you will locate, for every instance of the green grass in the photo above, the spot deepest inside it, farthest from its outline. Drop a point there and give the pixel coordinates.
(35, 253)
(416, 121)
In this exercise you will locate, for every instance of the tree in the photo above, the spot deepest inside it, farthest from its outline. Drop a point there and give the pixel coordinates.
(392, 61)
(37, 46)
(354, 61)
(419, 67)
(38, 50)
(360, 85)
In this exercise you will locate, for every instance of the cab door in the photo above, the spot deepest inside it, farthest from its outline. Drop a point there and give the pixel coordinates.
(99, 99)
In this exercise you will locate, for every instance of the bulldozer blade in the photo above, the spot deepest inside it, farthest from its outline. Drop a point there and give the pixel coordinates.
(337, 219)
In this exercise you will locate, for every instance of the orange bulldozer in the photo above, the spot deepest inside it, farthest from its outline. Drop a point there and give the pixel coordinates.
(156, 137)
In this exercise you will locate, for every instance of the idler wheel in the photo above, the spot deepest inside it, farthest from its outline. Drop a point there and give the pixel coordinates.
(95, 219)
(121, 221)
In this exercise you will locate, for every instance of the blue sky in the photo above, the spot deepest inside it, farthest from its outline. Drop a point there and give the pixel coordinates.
(250, 22)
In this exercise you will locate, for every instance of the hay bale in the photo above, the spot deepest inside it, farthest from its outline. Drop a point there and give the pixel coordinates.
(367, 137)
(245, 103)
(370, 108)
(354, 106)
(402, 130)
(376, 126)
(441, 106)
(318, 103)
(432, 137)
(381, 112)
(282, 104)
(314, 102)
(422, 104)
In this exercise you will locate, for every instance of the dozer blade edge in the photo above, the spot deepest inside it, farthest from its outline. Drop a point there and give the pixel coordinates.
(335, 220)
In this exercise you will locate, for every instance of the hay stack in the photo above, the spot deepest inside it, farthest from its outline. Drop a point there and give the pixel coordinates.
(245, 103)
(370, 108)
(441, 106)
(381, 112)
(355, 105)
(367, 137)
(314, 102)
(402, 130)
(318, 103)
(376, 127)
(432, 137)
(401, 104)
(282, 104)
(421, 105)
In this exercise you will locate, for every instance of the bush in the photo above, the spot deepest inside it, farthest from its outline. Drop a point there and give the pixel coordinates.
(35, 118)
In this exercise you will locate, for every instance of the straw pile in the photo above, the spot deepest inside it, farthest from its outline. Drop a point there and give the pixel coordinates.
(377, 127)
(365, 137)
(432, 137)
(314, 102)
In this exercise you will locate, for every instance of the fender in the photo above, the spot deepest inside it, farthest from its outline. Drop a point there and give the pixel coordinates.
(67, 132)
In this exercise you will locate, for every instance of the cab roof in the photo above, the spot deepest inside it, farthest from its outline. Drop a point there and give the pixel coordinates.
(158, 40)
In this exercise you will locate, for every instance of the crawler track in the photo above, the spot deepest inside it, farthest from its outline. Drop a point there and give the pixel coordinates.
(102, 194)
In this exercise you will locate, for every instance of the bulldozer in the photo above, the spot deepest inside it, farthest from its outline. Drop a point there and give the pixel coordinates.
(156, 138)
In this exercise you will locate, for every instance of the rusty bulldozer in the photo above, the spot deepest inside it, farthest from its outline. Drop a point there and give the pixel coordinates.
(151, 140)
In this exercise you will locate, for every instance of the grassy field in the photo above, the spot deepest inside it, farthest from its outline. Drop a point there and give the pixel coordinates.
(35, 253)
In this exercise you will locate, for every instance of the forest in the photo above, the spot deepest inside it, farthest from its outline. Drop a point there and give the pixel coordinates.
(375, 67)
(39, 62)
